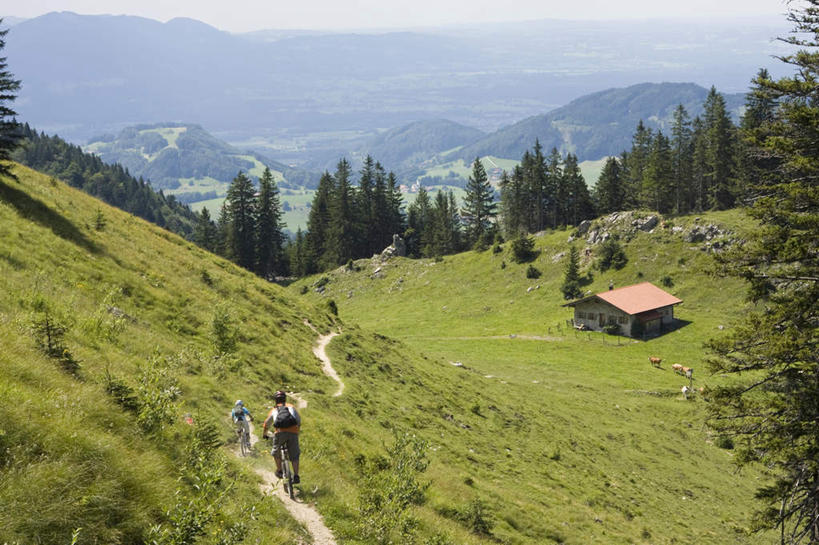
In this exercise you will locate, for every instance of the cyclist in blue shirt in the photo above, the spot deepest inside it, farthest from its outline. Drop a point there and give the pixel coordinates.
(241, 416)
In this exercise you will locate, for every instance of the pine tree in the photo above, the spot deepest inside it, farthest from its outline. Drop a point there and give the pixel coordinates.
(580, 206)
(395, 202)
(681, 159)
(479, 207)
(513, 203)
(720, 155)
(241, 234)
(318, 224)
(698, 192)
(609, 192)
(419, 220)
(558, 194)
(658, 183)
(205, 234)
(342, 239)
(772, 403)
(365, 211)
(571, 281)
(269, 228)
(760, 113)
(222, 229)
(637, 161)
(10, 130)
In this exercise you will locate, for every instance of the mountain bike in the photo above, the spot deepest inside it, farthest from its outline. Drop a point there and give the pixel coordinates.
(243, 430)
(287, 470)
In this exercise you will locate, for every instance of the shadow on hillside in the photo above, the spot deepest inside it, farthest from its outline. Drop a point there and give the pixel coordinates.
(37, 211)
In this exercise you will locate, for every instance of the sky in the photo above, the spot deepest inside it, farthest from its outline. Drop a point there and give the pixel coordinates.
(249, 15)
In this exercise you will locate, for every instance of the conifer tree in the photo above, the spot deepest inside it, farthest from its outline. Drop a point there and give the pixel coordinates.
(579, 206)
(609, 192)
(681, 158)
(241, 233)
(10, 130)
(571, 281)
(760, 113)
(658, 181)
(479, 207)
(772, 403)
(205, 234)
(342, 238)
(318, 224)
(366, 212)
(419, 220)
(698, 192)
(637, 161)
(222, 229)
(395, 203)
(558, 194)
(720, 153)
(269, 228)
(513, 202)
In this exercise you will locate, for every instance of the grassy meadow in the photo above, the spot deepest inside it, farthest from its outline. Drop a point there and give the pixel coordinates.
(545, 437)
(569, 437)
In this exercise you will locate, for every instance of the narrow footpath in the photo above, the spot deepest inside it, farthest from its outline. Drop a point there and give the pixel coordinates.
(304, 513)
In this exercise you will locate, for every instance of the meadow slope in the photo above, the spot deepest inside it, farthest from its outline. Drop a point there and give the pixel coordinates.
(570, 437)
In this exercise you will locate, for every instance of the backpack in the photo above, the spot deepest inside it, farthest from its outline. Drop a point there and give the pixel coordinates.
(284, 418)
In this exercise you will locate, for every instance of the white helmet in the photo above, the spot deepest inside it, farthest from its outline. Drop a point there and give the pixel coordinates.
(238, 403)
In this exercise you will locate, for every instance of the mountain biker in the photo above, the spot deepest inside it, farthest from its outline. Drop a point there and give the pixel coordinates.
(286, 422)
(241, 416)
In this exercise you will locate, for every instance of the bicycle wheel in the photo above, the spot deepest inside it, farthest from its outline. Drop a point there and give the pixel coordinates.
(245, 444)
(287, 469)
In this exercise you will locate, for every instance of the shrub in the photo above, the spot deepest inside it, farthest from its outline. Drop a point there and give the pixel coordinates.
(532, 272)
(333, 308)
(156, 392)
(611, 329)
(725, 442)
(666, 281)
(503, 264)
(523, 249)
(611, 255)
(477, 518)
(49, 332)
(222, 331)
(303, 290)
(497, 248)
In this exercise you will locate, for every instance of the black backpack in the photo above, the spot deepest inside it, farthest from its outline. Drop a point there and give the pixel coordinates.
(284, 418)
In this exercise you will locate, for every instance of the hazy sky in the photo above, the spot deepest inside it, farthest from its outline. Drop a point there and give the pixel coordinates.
(245, 15)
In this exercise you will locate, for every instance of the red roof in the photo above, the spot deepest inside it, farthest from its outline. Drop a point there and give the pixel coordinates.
(638, 298)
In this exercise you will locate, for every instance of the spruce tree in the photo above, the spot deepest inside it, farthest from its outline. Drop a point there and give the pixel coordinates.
(609, 192)
(656, 191)
(681, 159)
(571, 281)
(241, 233)
(579, 206)
(205, 234)
(720, 153)
(10, 130)
(479, 206)
(637, 161)
(342, 235)
(318, 224)
(513, 202)
(558, 195)
(419, 220)
(772, 401)
(269, 228)
(395, 207)
(365, 213)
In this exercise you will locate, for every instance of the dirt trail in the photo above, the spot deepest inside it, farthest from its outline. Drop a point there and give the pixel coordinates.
(305, 513)
(321, 353)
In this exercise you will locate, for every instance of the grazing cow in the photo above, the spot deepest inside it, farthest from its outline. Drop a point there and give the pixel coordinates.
(677, 368)
(685, 390)
(688, 372)
(655, 361)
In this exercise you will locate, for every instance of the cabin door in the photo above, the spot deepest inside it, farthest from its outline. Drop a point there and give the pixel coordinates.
(601, 318)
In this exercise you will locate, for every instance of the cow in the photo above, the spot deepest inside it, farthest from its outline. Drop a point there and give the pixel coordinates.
(688, 372)
(677, 368)
(655, 361)
(685, 390)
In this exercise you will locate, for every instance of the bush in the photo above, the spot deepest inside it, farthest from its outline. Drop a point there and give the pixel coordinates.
(523, 249)
(477, 518)
(666, 281)
(332, 307)
(725, 442)
(611, 255)
(532, 272)
(222, 330)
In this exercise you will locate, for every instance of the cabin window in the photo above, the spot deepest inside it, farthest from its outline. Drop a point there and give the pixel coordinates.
(612, 319)
(581, 315)
(623, 319)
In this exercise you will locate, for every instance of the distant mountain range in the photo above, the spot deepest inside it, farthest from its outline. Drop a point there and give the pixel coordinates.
(600, 124)
(296, 93)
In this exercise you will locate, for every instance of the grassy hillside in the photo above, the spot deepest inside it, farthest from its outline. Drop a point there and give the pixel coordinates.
(573, 439)
(570, 437)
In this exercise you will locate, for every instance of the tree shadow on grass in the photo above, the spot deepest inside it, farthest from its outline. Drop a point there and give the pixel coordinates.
(37, 211)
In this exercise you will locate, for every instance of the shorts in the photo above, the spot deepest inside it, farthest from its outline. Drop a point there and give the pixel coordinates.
(289, 439)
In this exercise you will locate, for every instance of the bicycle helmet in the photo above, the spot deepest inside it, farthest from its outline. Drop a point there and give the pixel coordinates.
(280, 395)
(238, 403)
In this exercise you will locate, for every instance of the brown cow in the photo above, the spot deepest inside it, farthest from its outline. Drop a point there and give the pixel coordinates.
(655, 361)
(677, 368)
(688, 372)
